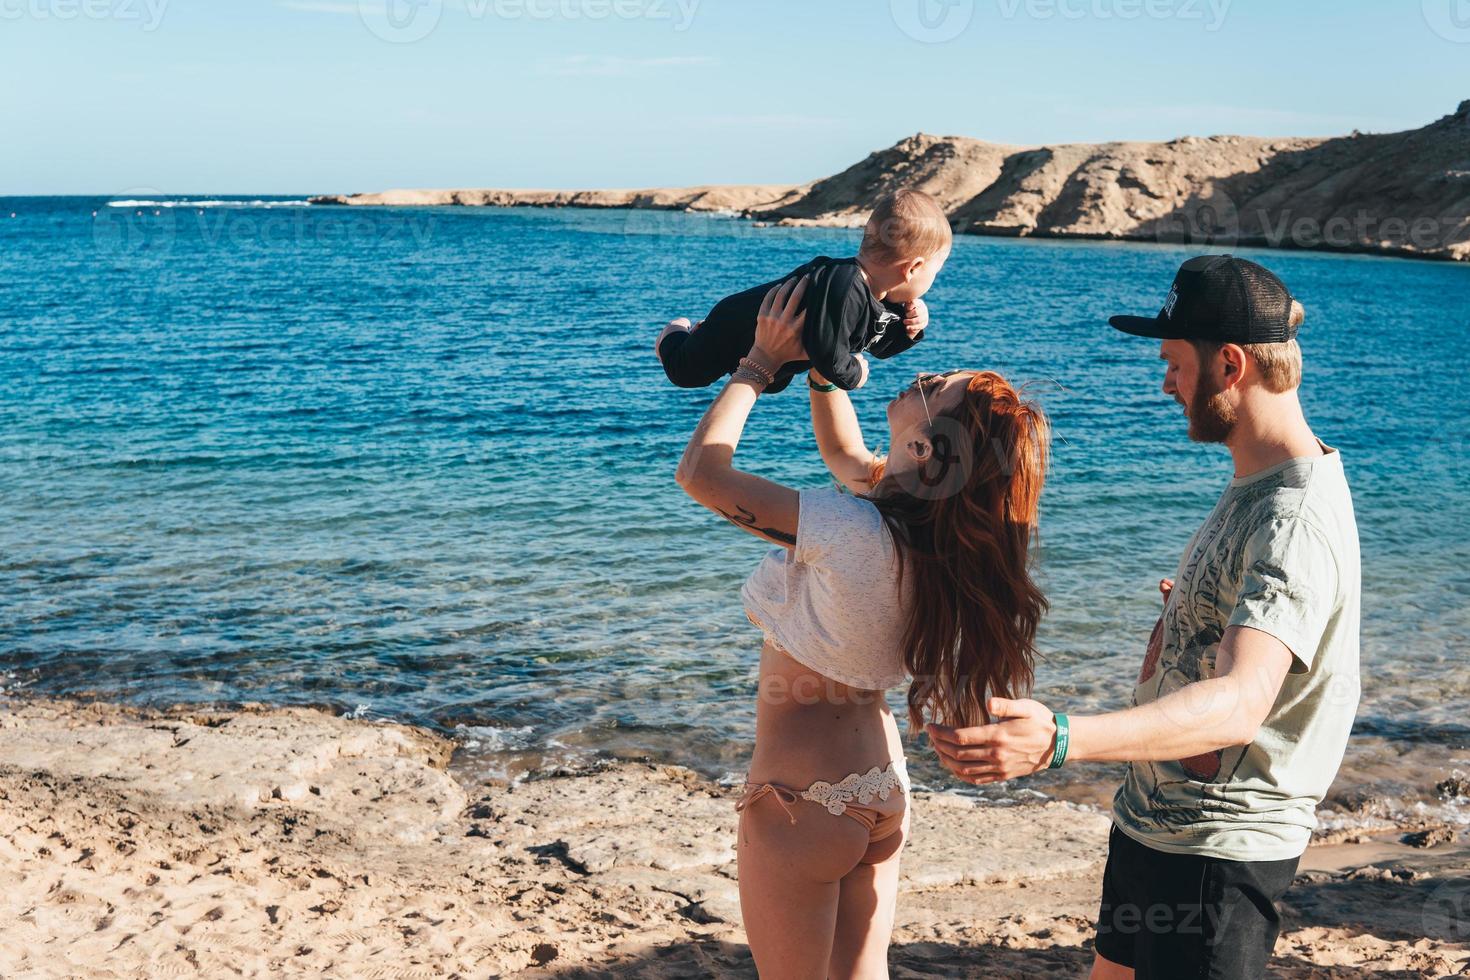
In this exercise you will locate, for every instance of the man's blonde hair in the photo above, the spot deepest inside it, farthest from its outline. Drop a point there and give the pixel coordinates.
(1280, 364)
(907, 225)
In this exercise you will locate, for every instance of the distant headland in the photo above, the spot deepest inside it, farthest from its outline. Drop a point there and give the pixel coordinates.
(1402, 194)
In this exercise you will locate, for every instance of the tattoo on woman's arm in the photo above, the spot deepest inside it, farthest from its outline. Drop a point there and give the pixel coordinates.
(746, 519)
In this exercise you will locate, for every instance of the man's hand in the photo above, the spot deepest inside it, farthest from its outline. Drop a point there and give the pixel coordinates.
(915, 317)
(1166, 589)
(1018, 743)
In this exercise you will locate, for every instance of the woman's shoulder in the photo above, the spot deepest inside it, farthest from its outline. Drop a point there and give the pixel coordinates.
(839, 504)
(830, 522)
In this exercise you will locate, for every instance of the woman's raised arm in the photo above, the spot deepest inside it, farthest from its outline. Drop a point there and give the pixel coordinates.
(834, 423)
(840, 437)
(707, 472)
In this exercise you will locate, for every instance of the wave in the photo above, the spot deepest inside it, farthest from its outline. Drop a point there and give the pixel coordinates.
(483, 738)
(207, 204)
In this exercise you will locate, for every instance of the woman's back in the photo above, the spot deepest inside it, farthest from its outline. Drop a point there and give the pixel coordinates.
(833, 613)
(835, 602)
(810, 726)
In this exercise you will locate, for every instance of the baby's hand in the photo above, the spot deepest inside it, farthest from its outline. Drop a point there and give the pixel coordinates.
(915, 317)
(863, 362)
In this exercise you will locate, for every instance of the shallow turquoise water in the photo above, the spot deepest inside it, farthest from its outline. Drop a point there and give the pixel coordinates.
(419, 463)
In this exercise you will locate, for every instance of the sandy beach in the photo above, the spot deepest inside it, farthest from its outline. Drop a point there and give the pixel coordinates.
(296, 843)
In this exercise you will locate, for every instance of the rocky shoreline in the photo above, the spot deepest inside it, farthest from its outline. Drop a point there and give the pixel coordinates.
(1404, 194)
(291, 842)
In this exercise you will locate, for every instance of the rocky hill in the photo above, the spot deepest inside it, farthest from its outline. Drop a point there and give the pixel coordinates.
(729, 199)
(1400, 193)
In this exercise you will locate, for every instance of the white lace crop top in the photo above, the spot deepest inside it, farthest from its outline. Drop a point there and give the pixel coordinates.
(833, 603)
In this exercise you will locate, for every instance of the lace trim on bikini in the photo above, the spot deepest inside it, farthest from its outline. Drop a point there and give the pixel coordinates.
(861, 788)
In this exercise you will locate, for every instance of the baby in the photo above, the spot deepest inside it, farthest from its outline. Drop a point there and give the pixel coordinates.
(872, 303)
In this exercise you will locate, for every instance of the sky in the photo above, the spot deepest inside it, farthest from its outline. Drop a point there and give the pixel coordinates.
(325, 96)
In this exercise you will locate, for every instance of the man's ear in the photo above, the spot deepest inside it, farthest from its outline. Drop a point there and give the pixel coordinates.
(1231, 362)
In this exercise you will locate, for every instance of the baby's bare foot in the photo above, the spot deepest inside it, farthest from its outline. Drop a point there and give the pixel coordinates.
(680, 325)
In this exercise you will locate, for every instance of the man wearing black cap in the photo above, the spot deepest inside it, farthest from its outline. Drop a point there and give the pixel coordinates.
(1242, 711)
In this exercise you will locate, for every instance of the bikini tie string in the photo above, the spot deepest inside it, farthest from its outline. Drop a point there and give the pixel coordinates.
(783, 796)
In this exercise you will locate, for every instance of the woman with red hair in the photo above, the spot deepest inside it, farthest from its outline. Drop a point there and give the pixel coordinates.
(920, 572)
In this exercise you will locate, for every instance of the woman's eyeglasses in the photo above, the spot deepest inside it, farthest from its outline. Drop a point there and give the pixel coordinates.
(931, 381)
(921, 382)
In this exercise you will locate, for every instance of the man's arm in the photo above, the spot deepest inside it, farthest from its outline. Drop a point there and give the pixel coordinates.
(1220, 712)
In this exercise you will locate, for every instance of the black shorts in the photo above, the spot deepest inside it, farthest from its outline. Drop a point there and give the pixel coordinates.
(1182, 917)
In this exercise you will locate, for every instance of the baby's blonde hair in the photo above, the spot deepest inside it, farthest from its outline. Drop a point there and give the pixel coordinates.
(907, 225)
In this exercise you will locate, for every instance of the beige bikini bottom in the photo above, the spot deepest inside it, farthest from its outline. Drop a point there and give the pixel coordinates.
(877, 799)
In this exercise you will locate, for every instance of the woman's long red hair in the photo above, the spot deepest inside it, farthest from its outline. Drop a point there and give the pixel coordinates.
(973, 607)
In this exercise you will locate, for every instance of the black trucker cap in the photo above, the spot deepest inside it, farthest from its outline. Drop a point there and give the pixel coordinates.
(1223, 299)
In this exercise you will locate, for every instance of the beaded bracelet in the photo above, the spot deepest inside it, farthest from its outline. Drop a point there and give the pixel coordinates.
(759, 369)
(745, 373)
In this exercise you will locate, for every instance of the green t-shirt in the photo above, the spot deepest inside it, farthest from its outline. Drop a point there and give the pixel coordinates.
(1278, 554)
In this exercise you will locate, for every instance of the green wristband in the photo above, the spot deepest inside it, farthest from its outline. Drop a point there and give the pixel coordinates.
(816, 387)
(1064, 738)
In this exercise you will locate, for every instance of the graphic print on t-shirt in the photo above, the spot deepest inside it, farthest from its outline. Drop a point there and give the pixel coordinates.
(1183, 650)
(1278, 555)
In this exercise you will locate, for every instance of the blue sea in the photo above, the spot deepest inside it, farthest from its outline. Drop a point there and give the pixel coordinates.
(418, 465)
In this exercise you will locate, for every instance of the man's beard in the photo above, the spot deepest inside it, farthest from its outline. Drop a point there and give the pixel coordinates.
(1211, 418)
